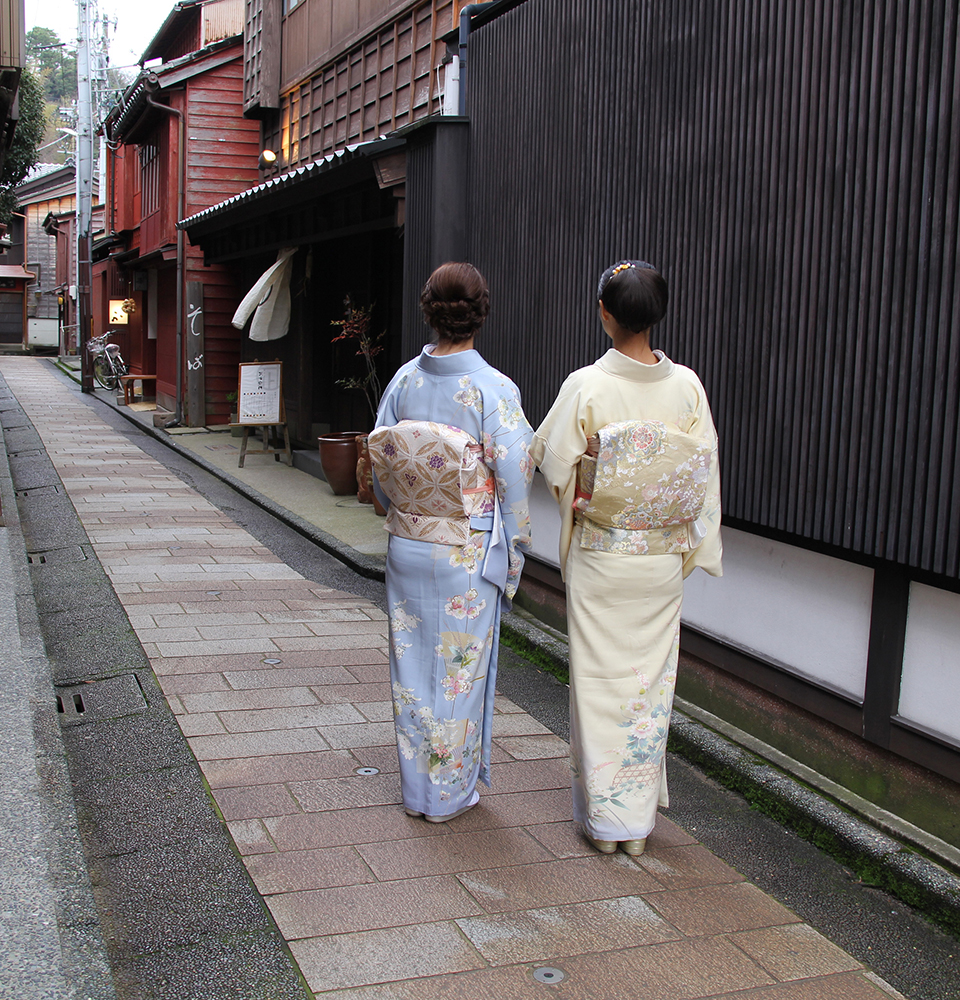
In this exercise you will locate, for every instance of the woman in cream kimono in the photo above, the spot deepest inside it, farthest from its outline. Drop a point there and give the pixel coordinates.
(632, 530)
(448, 577)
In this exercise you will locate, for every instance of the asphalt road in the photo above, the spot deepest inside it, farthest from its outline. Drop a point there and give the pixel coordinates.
(877, 929)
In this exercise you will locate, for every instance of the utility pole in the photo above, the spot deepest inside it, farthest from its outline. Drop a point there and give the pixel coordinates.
(84, 191)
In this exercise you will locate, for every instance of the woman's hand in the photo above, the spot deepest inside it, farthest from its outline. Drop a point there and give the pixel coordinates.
(593, 446)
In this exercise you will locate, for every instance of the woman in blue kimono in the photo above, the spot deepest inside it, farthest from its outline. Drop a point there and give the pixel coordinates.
(446, 591)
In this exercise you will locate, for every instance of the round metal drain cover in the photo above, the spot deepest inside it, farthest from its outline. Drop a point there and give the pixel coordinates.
(548, 975)
(213, 593)
(271, 661)
(367, 770)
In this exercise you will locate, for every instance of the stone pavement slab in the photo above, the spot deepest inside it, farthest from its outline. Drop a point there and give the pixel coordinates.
(375, 904)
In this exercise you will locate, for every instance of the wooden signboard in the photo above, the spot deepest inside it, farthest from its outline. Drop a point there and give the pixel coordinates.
(260, 408)
(260, 393)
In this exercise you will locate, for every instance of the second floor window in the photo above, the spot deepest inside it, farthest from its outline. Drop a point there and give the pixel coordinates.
(150, 178)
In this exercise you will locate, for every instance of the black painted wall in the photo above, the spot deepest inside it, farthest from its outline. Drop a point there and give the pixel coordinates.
(793, 167)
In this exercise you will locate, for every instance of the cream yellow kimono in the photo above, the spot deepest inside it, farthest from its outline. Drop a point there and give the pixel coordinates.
(624, 591)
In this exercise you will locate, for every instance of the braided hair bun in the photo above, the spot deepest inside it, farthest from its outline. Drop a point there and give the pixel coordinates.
(455, 301)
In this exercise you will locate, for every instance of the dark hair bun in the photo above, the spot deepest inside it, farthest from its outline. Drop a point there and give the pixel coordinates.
(455, 301)
(634, 293)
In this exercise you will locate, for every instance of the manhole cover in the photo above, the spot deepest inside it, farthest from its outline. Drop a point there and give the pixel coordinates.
(548, 975)
(71, 554)
(110, 698)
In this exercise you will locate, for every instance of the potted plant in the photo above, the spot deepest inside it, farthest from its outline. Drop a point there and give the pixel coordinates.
(345, 452)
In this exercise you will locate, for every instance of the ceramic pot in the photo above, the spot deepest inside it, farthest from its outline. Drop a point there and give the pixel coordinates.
(338, 459)
(365, 492)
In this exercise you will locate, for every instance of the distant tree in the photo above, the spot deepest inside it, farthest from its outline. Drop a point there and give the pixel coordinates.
(23, 152)
(54, 62)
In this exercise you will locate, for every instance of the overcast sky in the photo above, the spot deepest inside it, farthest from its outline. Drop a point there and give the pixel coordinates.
(137, 22)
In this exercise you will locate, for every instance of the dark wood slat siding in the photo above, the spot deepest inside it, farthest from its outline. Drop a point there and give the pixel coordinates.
(379, 83)
(223, 147)
(793, 169)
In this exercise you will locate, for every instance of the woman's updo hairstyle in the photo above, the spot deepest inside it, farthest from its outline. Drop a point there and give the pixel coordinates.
(455, 301)
(634, 293)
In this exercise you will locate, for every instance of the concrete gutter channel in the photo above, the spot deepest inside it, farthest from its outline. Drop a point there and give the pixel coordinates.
(871, 841)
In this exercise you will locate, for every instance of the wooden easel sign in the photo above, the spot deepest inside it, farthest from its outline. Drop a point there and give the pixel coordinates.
(260, 393)
(260, 407)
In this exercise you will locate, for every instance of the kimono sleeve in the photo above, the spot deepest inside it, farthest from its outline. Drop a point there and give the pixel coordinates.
(558, 445)
(708, 554)
(506, 448)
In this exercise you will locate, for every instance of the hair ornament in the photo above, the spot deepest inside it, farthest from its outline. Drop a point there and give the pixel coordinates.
(622, 266)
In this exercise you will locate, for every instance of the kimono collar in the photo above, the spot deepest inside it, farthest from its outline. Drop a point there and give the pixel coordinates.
(461, 363)
(615, 363)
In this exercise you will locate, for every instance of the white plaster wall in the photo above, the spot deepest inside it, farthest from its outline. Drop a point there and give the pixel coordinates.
(43, 333)
(930, 685)
(544, 523)
(807, 612)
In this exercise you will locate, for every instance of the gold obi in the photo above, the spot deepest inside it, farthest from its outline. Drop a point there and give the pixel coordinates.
(644, 491)
(435, 478)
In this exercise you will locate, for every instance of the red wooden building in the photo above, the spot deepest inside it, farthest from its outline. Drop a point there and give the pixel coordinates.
(178, 143)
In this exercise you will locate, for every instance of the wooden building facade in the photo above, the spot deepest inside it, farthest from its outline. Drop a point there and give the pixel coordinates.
(327, 81)
(178, 143)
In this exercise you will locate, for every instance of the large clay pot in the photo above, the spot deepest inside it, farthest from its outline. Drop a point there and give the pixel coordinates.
(365, 492)
(338, 459)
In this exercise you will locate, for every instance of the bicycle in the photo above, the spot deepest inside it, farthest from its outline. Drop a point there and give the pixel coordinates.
(108, 363)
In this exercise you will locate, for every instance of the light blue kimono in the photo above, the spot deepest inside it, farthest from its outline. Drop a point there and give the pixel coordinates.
(445, 601)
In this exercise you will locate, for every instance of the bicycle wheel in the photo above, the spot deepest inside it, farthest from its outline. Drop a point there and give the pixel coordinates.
(104, 373)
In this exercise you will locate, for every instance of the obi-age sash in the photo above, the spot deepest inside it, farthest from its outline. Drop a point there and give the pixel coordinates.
(644, 491)
(439, 489)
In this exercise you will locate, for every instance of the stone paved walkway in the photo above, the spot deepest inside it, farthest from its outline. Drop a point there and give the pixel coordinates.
(281, 687)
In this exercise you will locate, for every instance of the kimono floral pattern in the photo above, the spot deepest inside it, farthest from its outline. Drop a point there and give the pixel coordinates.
(619, 783)
(648, 482)
(444, 611)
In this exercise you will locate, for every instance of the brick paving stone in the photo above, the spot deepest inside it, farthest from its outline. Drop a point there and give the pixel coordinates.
(686, 867)
(373, 824)
(531, 775)
(249, 771)
(303, 717)
(295, 871)
(451, 852)
(256, 802)
(257, 744)
(841, 987)
(231, 701)
(550, 883)
(537, 935)
(512, 982)
(370, 734)
(383, 956)
(720, 909)
(202, 724)
(346, 792)
(533, 747)
(371, 906)
(795, 951)
(250, 837)
(674, 970)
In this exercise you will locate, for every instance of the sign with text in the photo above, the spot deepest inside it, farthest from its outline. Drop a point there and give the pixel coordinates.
(260, 395)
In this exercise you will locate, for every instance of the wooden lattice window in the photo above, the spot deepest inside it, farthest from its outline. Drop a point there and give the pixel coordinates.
(150, 178)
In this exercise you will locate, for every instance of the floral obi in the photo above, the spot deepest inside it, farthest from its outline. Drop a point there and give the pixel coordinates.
(435, 478)
(644, 492)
